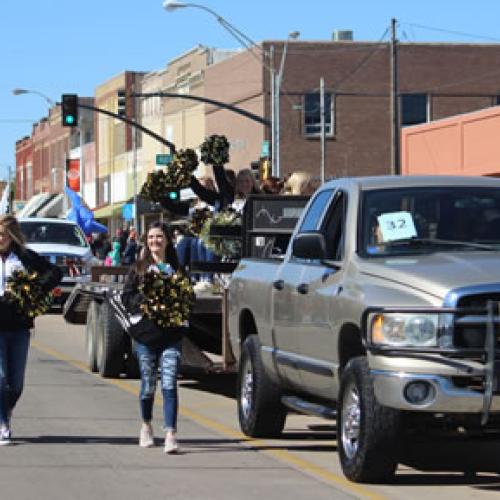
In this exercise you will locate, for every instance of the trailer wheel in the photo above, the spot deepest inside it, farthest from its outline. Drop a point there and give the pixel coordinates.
(91, 327)
(366, 431)
(110, 344)
(260, 411)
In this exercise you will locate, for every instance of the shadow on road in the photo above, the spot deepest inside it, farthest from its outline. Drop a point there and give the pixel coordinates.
(224, 385)
(451, 461)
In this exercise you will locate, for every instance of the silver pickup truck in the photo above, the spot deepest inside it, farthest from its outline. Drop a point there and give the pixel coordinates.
(381, 314)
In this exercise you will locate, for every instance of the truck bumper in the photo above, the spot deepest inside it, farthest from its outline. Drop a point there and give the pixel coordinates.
(394, 390)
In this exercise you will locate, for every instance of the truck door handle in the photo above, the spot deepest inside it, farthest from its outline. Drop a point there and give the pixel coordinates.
(279, 284)
(303, 288)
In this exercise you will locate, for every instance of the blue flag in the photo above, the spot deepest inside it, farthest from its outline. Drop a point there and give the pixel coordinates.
(82, 215)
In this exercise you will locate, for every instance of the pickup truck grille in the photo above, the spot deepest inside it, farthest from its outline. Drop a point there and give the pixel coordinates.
(470, 329)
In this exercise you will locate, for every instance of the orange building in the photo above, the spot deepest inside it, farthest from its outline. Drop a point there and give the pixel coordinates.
(466, 144)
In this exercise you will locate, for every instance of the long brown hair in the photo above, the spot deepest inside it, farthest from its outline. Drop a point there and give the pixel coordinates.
(146, 258)
(11, 225)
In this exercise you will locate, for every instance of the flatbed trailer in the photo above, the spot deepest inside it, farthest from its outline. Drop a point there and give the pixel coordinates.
(109, 349)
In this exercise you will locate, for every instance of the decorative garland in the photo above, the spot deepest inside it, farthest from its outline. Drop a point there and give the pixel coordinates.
(229, 248)
(27, 294)
(215, 150)
(177, 175)
(169, 298)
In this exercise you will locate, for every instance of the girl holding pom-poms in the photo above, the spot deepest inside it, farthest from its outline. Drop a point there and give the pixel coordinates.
(159, 298)
(26, 281)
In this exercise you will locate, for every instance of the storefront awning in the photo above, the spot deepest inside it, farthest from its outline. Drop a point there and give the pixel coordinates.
(109, 211)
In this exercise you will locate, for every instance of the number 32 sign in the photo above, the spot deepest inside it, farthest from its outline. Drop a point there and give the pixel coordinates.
(396, 226)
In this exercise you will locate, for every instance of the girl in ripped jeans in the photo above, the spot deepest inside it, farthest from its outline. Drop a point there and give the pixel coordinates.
(162, 353)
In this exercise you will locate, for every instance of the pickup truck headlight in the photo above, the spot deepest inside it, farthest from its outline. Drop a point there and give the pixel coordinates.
(405, 329)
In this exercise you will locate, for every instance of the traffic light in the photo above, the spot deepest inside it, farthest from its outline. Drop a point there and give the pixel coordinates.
(69, 110)
(122, 103)
(173, 195)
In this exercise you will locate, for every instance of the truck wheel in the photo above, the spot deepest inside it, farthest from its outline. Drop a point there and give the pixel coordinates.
(91, 335)
(366, 431)
(260, 411)
(110, 344)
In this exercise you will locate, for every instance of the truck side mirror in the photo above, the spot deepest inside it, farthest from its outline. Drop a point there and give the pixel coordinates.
(309, 245)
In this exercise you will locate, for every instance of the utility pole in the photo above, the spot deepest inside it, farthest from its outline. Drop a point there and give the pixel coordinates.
(134, 166)
(395, 160)
(272, 80)
(323, 127)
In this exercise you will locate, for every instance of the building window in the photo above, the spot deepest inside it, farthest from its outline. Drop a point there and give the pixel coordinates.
(312, 115)
(414, 109)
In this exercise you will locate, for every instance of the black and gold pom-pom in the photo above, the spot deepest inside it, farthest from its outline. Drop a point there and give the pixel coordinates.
(177, 175)
(26, 293)
(215, 150)
(198, 219)
(169, 298)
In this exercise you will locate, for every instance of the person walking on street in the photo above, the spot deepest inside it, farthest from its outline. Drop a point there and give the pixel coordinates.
(130, 252)
(155, 351)
(15, 326)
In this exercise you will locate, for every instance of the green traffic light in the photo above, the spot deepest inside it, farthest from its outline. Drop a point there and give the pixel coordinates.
(70, 119)
(172, 195)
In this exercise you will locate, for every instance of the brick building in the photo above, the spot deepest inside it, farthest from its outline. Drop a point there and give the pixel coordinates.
(434, 81)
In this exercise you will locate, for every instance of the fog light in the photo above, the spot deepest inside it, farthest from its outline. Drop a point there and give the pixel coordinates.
(418, 393)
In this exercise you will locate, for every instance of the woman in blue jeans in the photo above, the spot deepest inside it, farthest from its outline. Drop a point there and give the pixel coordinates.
(14, 326)
(156, 349)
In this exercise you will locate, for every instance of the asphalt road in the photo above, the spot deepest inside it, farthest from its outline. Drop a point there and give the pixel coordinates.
(76, 437)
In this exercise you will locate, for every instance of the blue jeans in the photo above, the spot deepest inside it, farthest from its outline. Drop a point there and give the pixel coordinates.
(168, 361)
(14, 347)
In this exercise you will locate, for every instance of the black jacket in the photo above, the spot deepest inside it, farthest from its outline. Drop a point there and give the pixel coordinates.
(146, 332)
(50, 277)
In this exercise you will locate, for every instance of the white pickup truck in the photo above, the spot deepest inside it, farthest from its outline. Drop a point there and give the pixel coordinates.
(385, 304)
(63, 243)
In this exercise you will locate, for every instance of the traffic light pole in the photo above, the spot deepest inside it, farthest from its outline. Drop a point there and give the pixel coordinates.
(219, 104)
(132, 123)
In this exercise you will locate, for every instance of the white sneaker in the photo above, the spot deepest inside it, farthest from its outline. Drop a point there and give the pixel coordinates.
(171, 445)
(146, 439)
(5, 436)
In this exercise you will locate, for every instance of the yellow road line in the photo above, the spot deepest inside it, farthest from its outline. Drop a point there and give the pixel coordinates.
(282, 455)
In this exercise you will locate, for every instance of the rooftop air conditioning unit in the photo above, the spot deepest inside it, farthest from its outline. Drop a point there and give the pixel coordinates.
(342, 35)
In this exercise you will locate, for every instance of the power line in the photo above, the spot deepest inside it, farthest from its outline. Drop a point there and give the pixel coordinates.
(365, 59)
(452, 32)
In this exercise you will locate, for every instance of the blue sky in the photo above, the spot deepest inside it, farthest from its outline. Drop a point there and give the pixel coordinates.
(57, 46)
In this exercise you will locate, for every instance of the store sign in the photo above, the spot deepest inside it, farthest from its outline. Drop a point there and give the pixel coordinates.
(128, 211)
(73, 174)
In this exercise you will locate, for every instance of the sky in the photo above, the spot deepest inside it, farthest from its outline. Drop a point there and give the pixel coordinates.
(69, 46)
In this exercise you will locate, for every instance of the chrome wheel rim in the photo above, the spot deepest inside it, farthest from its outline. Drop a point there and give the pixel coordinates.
(246, 396)
(351, 421)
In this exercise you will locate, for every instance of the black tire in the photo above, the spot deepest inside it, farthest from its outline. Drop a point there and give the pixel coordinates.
(91, 327)
(260, 411)
(110, 341)
(366, 431)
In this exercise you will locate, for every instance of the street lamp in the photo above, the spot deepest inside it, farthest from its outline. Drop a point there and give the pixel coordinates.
(279, 78)
(250, 45)
(18, 91)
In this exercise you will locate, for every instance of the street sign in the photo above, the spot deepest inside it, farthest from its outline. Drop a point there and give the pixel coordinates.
(163, 159)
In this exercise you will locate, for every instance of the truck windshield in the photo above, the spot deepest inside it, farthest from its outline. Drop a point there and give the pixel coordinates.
(430, 219)
(52, 232)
